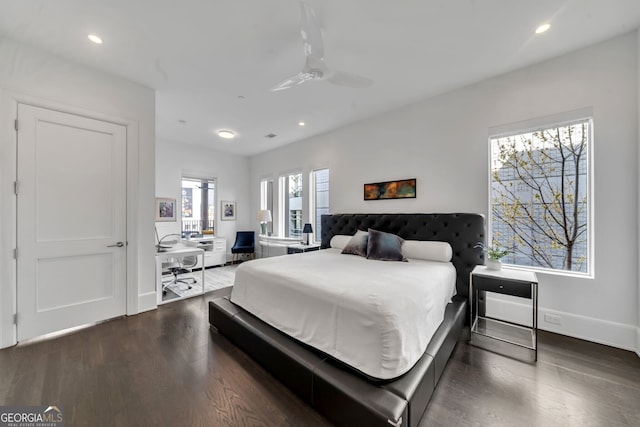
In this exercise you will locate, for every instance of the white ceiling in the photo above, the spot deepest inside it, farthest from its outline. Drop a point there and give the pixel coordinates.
(212, 62)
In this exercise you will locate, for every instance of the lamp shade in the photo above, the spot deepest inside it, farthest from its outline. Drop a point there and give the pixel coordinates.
(307, 228)
(264, 215)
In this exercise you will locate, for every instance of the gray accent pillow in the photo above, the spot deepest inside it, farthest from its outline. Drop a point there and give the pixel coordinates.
(358, 244)
(384, 246)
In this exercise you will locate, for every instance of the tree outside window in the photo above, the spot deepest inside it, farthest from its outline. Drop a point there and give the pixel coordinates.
(294, 226)
(295, 185)
(540, 196)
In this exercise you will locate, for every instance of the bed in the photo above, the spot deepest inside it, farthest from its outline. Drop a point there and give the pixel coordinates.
(375, 316)
(344, 391)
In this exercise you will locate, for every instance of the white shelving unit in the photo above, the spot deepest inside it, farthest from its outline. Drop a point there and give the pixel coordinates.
(215, 249)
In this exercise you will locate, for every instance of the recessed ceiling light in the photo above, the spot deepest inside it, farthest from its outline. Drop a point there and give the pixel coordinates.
(94, 38)
(301, 123)
(226, 134)
(543, 28)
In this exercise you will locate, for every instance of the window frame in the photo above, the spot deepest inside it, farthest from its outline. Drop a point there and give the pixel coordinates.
(284, 204)
(540, 124)
(314, 218)
(266, 200)
(201, 179)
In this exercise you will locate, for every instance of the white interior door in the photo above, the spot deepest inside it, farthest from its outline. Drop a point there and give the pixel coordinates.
(71, 215)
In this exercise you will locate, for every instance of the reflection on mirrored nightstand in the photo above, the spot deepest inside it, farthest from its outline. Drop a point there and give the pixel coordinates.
(299, 248)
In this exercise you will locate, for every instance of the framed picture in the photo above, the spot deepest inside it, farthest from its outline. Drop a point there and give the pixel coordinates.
(228, 210)
(402, 189)
(165, 209)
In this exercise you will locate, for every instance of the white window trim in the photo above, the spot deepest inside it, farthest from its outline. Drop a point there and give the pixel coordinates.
(546, 122)
(264, 202)
(313, 200)
(283, 191)
(191, 175)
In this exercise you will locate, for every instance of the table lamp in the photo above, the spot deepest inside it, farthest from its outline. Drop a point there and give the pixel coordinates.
(264, 216)
(307, 229)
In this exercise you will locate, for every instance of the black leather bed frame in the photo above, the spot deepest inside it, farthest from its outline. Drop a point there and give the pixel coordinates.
(342, 395)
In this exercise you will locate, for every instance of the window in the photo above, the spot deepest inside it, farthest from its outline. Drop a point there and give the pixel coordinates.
(198, 205)
(540, 196)
(266, 200)
(320, 201)
(291, 204)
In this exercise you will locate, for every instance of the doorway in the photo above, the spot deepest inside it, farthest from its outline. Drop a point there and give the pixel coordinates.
(71, 221)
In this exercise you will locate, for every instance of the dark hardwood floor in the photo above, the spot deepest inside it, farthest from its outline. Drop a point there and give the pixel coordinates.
(166, 368)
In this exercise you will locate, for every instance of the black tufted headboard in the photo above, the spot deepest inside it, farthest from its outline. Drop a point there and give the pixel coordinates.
(462, 231)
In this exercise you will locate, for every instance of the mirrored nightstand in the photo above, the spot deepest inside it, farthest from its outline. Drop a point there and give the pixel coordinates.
(296, 249)
(503, 336)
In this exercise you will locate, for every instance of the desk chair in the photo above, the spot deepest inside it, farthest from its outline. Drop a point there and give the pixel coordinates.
(245, 244)
(184, 264)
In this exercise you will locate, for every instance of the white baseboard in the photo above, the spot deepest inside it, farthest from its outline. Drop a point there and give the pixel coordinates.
(8, 334)
(148, 301)
(626, 337)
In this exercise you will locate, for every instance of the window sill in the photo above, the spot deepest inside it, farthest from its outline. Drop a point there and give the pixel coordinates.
(539, 270)
(279, 239)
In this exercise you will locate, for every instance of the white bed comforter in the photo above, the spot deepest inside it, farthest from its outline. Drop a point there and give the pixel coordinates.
(376, 316)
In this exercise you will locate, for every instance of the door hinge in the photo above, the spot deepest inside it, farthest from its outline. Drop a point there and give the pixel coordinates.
(15, 124)
(15, 318)
(15, 187)
(15, 253)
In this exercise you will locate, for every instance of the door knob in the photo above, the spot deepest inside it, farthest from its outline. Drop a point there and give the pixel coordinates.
(119, 245)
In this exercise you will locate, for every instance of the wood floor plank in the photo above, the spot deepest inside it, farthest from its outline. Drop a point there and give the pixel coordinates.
(167, 367)
(564, 388)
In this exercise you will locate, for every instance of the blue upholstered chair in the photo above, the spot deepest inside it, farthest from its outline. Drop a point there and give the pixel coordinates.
(245, 244)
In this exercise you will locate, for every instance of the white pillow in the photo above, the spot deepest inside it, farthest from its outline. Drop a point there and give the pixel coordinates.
(427, 250)
(339, 241)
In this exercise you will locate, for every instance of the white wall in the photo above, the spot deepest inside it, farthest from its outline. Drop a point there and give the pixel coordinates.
(232, 182)
(29, 75)
(443, 143)
(638, 238)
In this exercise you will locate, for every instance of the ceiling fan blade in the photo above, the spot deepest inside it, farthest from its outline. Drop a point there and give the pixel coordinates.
(292, 81)
(342, 78)
(314, 66)
(311, 33)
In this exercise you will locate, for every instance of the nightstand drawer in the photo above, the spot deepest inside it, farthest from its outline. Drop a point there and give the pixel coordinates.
(502, 286)
(296, 249)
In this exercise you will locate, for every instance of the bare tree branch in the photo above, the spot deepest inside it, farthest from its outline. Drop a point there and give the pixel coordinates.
(537, 195)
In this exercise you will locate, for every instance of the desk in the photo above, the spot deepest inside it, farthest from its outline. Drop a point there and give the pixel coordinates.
(215, 249)
(175, 253)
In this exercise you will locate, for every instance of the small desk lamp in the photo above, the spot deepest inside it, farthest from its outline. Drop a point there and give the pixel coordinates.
(264, 216)
(168, 244)
(307, 229)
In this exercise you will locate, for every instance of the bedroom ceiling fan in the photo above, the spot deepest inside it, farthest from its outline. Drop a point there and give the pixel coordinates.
(315, 68)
